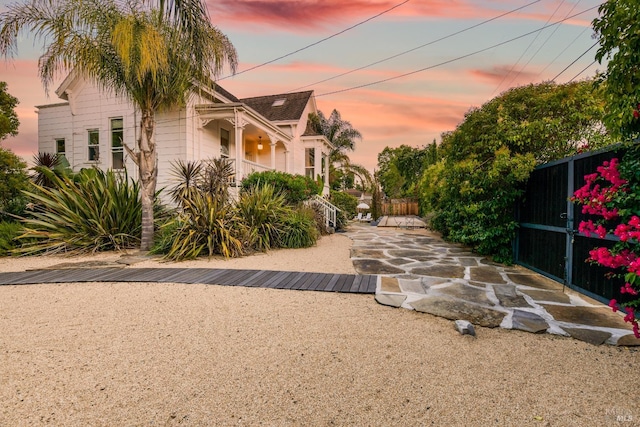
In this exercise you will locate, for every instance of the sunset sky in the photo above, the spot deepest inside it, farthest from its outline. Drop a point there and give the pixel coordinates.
(425, 92)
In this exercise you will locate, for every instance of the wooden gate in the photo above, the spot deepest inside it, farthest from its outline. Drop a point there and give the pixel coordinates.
(400, 207)
(548, 240)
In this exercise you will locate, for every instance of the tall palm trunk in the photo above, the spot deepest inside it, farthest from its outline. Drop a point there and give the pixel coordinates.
(147, 160)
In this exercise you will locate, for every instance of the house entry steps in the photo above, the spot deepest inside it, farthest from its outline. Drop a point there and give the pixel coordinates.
(348, 283)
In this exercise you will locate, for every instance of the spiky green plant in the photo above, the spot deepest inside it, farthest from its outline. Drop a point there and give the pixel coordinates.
(262, 209)
(187, 176)
(46, 166)
(94, 211)
(208, 176)
(205, 227)
(299, 229)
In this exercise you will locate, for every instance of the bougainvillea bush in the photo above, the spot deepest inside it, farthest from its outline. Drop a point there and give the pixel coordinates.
(612, 197)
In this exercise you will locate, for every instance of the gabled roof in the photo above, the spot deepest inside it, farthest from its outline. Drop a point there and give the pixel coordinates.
(222, 91)
(283, 107)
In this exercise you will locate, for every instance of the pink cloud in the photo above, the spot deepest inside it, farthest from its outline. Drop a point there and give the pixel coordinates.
(296, 15)
(293, 13)
(503, 75)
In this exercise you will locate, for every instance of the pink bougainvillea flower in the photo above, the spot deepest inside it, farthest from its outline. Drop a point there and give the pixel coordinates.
(614, 305)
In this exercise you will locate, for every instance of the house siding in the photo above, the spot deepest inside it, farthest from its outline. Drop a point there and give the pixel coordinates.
(179, 134)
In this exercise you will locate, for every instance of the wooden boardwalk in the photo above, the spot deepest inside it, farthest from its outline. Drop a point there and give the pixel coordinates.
(350, 283)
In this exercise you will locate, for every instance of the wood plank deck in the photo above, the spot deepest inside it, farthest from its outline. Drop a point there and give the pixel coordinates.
(327, 282)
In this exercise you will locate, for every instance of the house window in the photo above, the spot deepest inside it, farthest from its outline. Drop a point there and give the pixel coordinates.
(117, 146)
(94, 145)
(61, 147)
(224, 143)
(310, 162)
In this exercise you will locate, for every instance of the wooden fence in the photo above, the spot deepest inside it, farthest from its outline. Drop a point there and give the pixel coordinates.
(400, 207)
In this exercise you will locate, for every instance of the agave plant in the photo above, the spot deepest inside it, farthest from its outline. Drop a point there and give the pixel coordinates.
(94, 211)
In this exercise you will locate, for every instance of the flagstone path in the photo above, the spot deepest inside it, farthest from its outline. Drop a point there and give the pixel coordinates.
(422, 272)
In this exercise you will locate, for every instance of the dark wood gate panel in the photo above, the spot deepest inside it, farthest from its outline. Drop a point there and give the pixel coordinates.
(547, 239)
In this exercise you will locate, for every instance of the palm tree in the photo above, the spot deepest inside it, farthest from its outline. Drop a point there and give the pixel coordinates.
(153, 52)
(342, 137)
(339, 132)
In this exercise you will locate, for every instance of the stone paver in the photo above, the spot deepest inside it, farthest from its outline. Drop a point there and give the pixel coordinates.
(447, 280)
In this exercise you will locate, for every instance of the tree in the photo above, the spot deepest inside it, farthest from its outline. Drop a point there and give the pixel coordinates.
(8, 118)
(489, 156)
(342, 136)
(618, 32)
(153, 52)
(339, 132)
(13, 180)
(400, 169)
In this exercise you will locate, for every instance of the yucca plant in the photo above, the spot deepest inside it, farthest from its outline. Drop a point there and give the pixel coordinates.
(205, 176)
(299, 229)
(94, 211)
(263, 209)
(205, 227)
(187, 176)
(48, 166)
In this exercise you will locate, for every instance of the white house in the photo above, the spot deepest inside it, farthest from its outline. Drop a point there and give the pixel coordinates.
(262, 133)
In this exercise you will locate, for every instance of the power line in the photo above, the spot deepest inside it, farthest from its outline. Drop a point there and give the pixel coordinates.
(524, 52)
(574, 61)
(457, 58)
(315, 43)
(583, 70)
(416, 48)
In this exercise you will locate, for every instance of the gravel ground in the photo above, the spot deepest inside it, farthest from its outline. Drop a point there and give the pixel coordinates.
(172, 354)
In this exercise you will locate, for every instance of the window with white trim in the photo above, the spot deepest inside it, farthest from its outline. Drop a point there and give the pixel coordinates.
(310, 163)
(224, 143)
(61, 148)
(117, 145)
(94, 145)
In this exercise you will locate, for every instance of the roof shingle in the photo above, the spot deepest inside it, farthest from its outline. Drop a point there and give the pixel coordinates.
(291, 109)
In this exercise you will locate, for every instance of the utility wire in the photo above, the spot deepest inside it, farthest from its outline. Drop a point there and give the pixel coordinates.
(563, 51)
(415, 48)
(523, 53)
(574, 61)
(583, 70)
(457, 58)
(315, 43)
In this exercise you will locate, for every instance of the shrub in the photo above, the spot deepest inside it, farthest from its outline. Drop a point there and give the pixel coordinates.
(295, 188)
(299, 229)
(206, 226)
(347, 205)
(611, 198)
(262, 210)
(94, 211)
(13, 180)
(9, 230)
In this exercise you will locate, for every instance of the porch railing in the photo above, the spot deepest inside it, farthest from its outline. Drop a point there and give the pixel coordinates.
(329, 211)
(247, 168)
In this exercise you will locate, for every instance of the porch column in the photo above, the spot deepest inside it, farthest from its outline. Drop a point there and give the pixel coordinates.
(286, 161)
(325, 190)
(273, 142)
(317, 162)
(238, 123)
